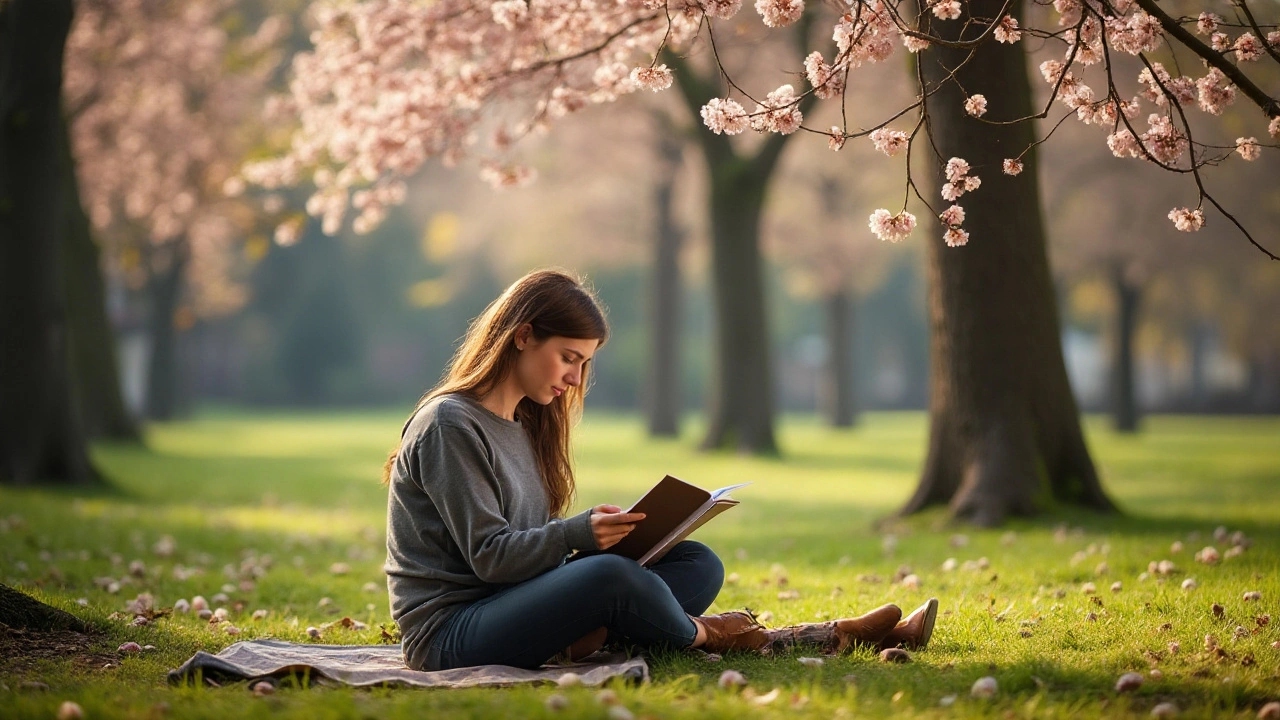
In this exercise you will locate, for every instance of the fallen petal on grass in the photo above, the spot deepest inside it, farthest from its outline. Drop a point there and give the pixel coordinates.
(731, 679)
(984, 687)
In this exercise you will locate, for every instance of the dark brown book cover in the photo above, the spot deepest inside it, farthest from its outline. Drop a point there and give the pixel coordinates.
(673, 509)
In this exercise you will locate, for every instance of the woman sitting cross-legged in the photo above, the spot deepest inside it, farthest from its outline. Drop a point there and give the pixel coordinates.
(476, 530)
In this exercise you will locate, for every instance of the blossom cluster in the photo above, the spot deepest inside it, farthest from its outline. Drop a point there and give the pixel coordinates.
(157, 96)
(393, 83)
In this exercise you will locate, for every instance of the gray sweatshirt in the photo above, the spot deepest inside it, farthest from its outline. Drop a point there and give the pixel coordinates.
(466, 514)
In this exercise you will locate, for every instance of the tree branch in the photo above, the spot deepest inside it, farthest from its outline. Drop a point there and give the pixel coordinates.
(1268, 104)
(696, 92)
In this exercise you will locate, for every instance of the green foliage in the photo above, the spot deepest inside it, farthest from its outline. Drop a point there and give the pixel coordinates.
(231, 489)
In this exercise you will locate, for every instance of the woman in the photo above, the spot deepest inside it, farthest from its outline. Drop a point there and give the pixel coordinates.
(476, 530)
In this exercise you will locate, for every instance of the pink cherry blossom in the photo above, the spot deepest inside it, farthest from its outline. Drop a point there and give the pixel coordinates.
(955, 237)
(779, 113)
(1207, 24)
(893, 228)
(837, 138)
(1248, 148)
(1273, 128)
(722, 9)
(780, 13)
(827, 82)
(509, 13)
(952, 216)
(1012, 166)
(725, 116)
(976, 105)
(889, 142)
(1220, 41)
(1123, 144)
(1007, 31)
(1137, 33)
(1215, 92)
(956, 169)
(1187, 220)
(1273, 38)
(914, 44)
(1165, 142)
(1248, 48)
(946, 9)
(869, 36)
(654, 78)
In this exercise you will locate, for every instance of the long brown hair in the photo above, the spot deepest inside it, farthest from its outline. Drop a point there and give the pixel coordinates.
(555, 305)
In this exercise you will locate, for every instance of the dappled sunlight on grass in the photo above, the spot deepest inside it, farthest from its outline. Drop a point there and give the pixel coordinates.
(283, 513)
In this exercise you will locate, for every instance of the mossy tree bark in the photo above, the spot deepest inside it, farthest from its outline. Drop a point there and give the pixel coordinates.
(40, 434)
(1005, 435)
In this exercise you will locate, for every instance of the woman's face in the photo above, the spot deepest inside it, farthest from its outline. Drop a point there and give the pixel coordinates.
(545, 370)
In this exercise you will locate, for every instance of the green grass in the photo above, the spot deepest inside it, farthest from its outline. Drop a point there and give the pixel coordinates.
(231, 488)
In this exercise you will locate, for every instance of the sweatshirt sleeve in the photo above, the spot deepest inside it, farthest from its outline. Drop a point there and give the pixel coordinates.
(457, 476)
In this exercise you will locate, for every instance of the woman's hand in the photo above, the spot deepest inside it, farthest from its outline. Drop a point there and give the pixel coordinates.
(609, 524)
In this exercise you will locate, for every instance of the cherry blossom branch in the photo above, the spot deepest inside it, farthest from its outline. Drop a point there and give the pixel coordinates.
(1195, 169)
(1262, 36)
(1269, 105)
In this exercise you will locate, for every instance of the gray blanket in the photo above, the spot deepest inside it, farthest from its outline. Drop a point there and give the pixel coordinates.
(365, 665)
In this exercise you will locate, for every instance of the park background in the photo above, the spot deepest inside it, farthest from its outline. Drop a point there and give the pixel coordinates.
(250, 384)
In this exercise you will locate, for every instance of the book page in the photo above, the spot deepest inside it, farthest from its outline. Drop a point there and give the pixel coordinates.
(717, 494)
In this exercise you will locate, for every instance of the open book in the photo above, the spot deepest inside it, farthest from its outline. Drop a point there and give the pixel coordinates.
(673, 509)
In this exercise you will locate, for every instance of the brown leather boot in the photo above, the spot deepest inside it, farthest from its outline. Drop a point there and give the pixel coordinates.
(734, 630)
(839, 635)
(914, 631)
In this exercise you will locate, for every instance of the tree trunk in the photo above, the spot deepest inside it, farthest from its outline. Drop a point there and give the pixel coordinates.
(95, 367)
(1201, 341)
(164, 292)
(1124, 401)
(740, 404)
(19, 610)
(663, 399)
(40, 435)
(837, 399)
(740, 408)
(1005, 434)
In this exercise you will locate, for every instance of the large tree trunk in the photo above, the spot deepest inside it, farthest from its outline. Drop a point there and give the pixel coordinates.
(1124, 401)
(1005, 434)
(740, 408)
(837, 399)
(740, 404)
(40, 435)
(95, 367)
(19, 610)
(663, 398)
(164, 292)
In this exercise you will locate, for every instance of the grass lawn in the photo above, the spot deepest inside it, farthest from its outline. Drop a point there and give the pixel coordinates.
(293, 495)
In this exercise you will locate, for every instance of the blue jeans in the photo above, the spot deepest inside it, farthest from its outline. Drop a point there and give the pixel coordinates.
(526, 624)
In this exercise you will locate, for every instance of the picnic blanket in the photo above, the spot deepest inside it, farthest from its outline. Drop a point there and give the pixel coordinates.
(367, 665)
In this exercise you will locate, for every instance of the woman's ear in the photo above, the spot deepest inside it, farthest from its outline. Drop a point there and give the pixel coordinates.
(522, 335)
